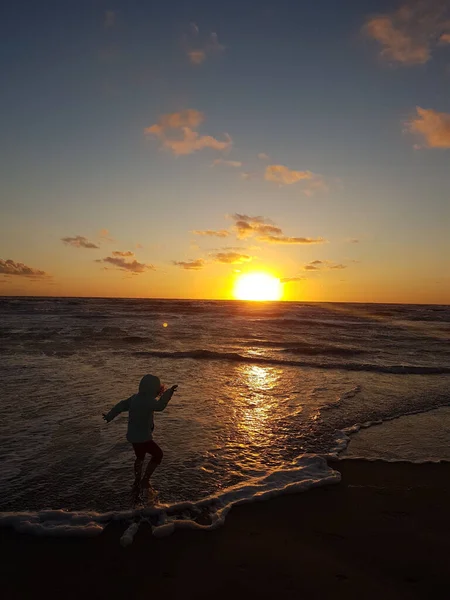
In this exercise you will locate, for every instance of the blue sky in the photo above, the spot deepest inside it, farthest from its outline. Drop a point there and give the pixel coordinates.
(326, 89)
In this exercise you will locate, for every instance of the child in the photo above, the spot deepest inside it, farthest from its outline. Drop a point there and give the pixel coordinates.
(140, 409)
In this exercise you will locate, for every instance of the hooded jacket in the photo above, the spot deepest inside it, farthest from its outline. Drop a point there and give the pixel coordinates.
(141, 407)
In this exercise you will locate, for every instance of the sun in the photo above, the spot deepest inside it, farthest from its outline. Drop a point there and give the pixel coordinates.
(257, 286)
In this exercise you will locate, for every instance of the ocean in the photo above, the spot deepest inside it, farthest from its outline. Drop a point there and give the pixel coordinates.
(267, 390)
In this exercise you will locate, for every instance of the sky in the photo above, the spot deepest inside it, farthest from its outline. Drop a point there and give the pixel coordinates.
(166, 149)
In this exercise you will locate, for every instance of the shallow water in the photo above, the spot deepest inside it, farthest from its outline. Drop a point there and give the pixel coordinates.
(259, 385)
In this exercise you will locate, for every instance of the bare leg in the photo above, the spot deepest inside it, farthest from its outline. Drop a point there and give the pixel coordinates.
(138, 464)
(149, 472)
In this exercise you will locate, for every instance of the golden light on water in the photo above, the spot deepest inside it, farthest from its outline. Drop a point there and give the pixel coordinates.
(258, 286)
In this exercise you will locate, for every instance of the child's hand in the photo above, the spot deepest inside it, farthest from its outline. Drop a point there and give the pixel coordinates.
(105, 417)
(174, 388)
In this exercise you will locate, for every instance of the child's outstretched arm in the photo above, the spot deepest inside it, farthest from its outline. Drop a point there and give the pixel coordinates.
(122, 406)
(165, 397)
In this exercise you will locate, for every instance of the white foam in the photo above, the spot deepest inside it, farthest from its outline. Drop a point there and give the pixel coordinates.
(307, 471)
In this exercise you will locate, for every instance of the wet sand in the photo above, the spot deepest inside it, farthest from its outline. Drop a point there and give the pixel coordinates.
(383, 532)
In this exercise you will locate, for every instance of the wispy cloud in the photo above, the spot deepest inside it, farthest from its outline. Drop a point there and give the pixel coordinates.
(124, 254)
(433, 126)
(266, 231)
(353, 240)
(284, 175)
(79, 241)
(323, 265)
(122, 261)
(105, 236)
(263, 156)
(407, 36)
(11, 267)
(199, 47)
(177, 133)
(228, 163)
(220, 233)
(231, 258)
(190, 265)
(109, 19)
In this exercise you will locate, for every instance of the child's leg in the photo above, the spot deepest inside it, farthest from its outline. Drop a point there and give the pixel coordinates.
(139, 450)
(156, 458)
(138, 464)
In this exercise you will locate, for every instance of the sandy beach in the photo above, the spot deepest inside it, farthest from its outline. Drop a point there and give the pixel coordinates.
(382, 532)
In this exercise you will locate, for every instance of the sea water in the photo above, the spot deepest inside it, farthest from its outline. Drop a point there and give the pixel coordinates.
(266, 392)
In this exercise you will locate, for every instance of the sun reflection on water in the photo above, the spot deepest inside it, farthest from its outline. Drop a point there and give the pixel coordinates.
(257, 398)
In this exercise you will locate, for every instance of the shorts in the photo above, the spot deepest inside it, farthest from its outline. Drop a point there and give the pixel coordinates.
(149, 447)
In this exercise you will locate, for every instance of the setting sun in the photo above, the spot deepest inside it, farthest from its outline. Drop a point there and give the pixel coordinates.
(258, 286)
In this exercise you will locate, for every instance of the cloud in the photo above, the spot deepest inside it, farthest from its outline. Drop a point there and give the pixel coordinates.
(284, 175)
(197, 56)
(353, 241)
(229, 163)
(264, 230)
(105, 235)
(79, 241)
(291, 279)
(109, 19)
(263, 156)
(10, 267)
(139, 246)
(323, 265)
(198, 48)
(433, 126)
(221, 233)
(445, 38)
(231, 258)
(408, 35)
(119, 260)
(176, 132)
(190, 265)
(125, 254)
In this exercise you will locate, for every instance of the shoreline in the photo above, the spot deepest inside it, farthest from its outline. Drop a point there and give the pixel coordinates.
(382, 530)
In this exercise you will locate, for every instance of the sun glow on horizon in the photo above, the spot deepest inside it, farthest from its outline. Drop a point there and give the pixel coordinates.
(258, 286)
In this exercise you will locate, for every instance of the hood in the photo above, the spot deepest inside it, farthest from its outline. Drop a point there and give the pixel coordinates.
(150, 385)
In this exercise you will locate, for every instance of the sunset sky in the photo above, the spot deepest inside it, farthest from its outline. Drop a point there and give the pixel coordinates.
(156, 149)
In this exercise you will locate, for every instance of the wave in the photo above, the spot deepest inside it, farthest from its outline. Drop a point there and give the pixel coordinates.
(236, 357)
(307, 471)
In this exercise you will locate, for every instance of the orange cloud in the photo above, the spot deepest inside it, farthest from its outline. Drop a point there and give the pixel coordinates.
(79, 241)
(176, 132)
(263, 156)
(408, 34)
(197, 56)
(445, 38)
(221, 233)
(284, 175)
(190, 265)
(433, 126)
(229, 163)
(120, 262)
(322, 265)
(105, 236)
(265, 231)
(231, 258)
(125, 254)
(198, 48)
(10, 267)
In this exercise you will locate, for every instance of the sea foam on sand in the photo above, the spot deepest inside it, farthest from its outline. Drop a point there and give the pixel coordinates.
(307, 471)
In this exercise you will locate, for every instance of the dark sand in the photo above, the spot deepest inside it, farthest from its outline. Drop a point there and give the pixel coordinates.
(383, 533)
